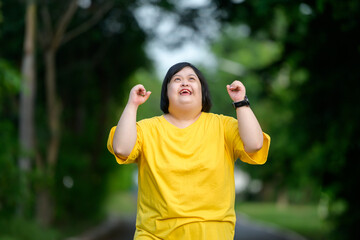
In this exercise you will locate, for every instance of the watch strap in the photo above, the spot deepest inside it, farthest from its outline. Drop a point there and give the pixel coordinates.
(241, 103)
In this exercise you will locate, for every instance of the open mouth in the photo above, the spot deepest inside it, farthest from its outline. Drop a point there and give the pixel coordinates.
(185, 92)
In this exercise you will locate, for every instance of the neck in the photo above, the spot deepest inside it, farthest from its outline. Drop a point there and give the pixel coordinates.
(182, 119)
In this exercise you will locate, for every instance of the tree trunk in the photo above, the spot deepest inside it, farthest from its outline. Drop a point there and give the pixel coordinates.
(45, 202)
(282, 199)
(27, 103)
(53, 108)
(44, 206)
(51, 42)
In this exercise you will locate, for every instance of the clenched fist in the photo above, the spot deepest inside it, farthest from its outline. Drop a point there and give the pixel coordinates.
(138, 95)
(236, 91)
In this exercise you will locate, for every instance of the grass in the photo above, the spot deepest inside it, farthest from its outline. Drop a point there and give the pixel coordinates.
(302, 219)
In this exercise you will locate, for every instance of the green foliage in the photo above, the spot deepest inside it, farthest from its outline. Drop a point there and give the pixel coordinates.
(238, 58)
(92, 72)
(9, 173)
(314, 135)
(20, 229)
(299, 61)
(10, 79)
(327, 136)
(1, 17)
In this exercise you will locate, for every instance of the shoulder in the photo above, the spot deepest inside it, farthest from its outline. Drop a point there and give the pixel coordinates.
(218, 118)
(149, 122)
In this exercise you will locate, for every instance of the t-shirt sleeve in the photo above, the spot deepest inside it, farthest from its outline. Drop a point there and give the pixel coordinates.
(258, 157)
(136, 151)
(236, 145)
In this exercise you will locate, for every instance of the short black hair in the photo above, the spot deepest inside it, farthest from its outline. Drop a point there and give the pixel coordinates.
(206, 99)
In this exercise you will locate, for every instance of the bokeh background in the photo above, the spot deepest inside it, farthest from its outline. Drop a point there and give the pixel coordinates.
(66, 68)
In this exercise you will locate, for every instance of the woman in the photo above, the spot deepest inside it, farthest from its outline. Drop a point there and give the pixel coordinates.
(186, 157)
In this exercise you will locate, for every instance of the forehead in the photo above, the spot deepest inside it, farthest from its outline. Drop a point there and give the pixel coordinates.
(185, 72)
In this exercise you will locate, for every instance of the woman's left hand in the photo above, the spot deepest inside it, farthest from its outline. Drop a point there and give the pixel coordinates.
(236, 91)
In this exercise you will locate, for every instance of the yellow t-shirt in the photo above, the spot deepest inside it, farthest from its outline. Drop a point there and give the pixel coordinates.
(186, 177)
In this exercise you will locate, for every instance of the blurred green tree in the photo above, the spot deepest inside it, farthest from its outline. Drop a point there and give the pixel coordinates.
(312, 87)
(98, 55)
(310, 80)
(77, 88)
(9, 172)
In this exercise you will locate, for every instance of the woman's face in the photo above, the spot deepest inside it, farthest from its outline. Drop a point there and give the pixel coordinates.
(184, 90)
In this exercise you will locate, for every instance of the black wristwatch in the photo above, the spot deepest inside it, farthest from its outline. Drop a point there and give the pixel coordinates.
(244, 102)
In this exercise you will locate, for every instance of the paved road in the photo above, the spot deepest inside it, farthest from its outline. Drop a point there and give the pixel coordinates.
(247, 230)
(123, 229)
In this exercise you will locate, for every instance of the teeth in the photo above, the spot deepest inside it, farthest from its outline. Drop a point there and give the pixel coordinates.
(185, 91)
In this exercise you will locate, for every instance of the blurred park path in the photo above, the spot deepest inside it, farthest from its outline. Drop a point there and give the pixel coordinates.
(123, 229)
(249, 230)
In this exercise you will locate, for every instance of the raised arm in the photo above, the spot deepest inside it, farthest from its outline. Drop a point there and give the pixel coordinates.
(125, 133)
(249, 127)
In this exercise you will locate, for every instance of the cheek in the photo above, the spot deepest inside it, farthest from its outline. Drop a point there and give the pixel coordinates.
(199, 95)
(200, 90)
(171, 91)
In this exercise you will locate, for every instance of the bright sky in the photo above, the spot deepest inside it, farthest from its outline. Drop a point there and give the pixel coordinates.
(190, 52)
(193, 51)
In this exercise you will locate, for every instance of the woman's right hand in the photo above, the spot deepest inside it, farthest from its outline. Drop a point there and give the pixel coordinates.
(138, 95)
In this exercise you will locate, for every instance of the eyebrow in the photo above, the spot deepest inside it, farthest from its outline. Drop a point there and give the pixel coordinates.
(191, 74)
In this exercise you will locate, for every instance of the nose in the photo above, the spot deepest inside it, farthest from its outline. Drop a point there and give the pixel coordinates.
(184, 83)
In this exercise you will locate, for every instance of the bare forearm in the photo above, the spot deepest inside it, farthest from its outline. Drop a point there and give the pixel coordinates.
(125, 133)
(249, 129)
